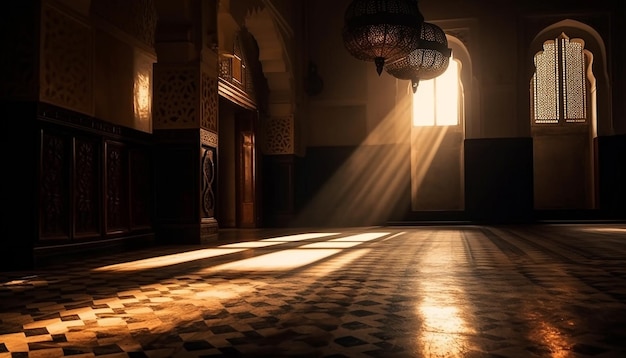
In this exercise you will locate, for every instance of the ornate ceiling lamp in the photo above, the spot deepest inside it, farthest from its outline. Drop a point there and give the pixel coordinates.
(381, 30)
(429, 59)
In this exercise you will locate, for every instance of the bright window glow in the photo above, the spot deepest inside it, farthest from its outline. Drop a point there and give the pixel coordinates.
(436, 101)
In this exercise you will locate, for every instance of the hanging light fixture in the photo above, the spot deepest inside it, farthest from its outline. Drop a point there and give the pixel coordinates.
(429, 59)
(381, 30)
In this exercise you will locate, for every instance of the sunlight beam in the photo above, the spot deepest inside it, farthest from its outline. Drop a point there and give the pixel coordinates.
(167, 260)
(277, 261)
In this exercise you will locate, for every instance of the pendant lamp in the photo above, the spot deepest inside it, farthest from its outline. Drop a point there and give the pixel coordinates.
(381, 30)
(429, 59)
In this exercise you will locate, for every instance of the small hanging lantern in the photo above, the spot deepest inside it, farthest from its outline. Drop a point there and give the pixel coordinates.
(429, 59)
(381, 30)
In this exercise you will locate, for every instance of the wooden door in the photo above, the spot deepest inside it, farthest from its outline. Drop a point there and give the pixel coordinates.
(248, 197)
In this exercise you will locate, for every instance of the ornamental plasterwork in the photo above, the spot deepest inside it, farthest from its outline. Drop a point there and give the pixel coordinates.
(208, 138)
(175, 97)
(66, 61)
(279, 133)
(209, 103)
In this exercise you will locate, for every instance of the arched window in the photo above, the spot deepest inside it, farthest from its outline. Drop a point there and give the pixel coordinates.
(562, 111)
(559, 84)
(436, 101)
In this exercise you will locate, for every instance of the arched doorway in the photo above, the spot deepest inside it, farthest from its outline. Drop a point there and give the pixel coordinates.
(437, 136)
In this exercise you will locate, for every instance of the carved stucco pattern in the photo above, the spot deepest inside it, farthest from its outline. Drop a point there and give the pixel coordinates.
(208, 138)
(208, 179)
(66, 61)
(225, 69)
(86, 187)
(279, 135)
(209, 102)
(137, 18)
(54, 180)
(175, 97)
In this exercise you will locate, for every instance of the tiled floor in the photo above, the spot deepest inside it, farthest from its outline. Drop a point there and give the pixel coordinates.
(554, 291)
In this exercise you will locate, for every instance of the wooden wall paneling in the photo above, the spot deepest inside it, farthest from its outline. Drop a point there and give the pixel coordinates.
(86, 187)
(116, 188)
(54, 185)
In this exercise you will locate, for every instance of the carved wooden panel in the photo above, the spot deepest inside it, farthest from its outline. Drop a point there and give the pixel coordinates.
(208, 181)
(116, 188)
(86, 187)
(95, 178)
(279, 133)
(54, 186)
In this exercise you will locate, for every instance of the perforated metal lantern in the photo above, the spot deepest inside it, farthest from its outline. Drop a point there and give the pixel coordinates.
(381, 30)
(429, 59)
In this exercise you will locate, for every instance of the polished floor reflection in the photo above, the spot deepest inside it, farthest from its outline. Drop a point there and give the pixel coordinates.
(423, 291)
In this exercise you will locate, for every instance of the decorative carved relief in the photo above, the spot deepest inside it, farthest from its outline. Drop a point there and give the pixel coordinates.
(209, 139)
(66, 61)
(86, 201)
(209, 103)
(236, 68)
(137, 18)
(175, 97)
(54, 187)
(279, 135)
(208, 179)
(115, 188)
(56, 114)
(224, 69)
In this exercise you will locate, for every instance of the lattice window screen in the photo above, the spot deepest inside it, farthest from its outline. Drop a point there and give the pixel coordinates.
(546, 88)
(559, 82)
(575, 106)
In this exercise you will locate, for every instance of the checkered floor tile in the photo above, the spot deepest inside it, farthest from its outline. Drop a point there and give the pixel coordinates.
(429, 291)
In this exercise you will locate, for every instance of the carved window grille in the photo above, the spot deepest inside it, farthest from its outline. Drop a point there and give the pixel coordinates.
(559, 84)
(234, 69)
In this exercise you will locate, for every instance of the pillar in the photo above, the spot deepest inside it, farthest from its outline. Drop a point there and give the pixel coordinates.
(185, 112)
